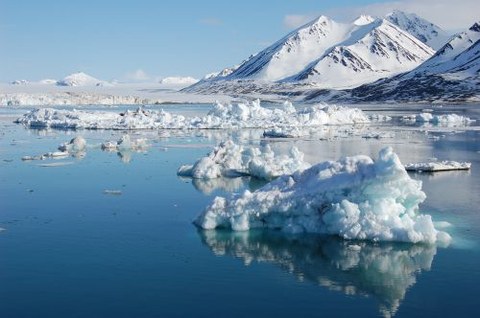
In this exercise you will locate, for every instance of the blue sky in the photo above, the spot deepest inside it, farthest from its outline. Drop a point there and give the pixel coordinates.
(112, 39)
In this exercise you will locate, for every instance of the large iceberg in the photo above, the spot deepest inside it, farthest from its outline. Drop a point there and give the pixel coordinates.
(241, 115)
(231, 160)
(354, 198)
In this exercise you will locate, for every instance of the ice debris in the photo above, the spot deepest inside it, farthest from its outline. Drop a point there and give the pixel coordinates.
(438, 166)
(450, 120)
(241, 115)
(231, 160)
(77, 144)
(354, 198)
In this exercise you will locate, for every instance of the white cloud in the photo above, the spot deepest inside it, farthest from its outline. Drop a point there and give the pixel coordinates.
(448, 14)
(137, 76)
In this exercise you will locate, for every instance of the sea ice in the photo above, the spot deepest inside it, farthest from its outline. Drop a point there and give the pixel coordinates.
(231, 160)
(438, 166)
(241, 115)
(450, 120)
(354, 198)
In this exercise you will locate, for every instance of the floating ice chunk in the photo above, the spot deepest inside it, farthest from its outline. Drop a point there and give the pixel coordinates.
(439, 120)
(77, 144)
(112, 192)
(241, 115)
(438, 166)
(231, 160)
(354, 198)
(53, 155)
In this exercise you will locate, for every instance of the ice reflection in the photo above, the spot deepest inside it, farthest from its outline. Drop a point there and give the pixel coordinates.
(384, 271)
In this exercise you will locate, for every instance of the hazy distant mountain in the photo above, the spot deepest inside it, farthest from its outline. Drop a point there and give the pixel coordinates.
(81, 79)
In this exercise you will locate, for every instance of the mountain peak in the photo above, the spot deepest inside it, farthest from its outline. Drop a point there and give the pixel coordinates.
(475, 27)
(364, 20)
(422, 29)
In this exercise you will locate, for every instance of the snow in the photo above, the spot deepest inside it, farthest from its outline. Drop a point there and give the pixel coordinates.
(449, 120)
(231, 160)
(331, 55)
(222, 116)
(354, 198)
(422, 29)
(372, 51)
(435, 166)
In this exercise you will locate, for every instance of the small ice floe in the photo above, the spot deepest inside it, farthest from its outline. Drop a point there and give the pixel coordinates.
(435, 166)
(449, 120)
(112, 192)
(231, 160)
(354, 198)
(125, 143)
(52, 155)
(221, 116)
(77, 144)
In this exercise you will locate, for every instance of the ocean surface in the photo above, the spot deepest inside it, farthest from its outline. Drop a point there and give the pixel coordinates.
(109, 234)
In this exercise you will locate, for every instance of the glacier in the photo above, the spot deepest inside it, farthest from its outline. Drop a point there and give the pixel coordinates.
(354, 198)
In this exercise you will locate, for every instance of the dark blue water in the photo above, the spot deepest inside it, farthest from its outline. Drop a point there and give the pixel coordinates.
(69, 250)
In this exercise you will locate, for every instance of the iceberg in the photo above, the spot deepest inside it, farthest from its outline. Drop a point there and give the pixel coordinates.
(229, 116)
(354, 198)
(435, 166)
(231, 160)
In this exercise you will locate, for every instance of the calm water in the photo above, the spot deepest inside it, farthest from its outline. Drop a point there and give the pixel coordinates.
(69, 250)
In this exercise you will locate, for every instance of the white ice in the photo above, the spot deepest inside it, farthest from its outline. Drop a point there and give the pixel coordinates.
(354, 198)
(222, 116)
(438, 120)
(434, 166)
(231, 160)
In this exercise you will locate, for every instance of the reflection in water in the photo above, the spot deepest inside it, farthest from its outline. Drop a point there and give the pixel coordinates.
(384, 271)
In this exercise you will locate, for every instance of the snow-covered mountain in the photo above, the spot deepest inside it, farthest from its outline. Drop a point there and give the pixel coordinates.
(424, 30)
(294, 52)
(372, 51)
(451, 75)
(328, 54)
(81, 79)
